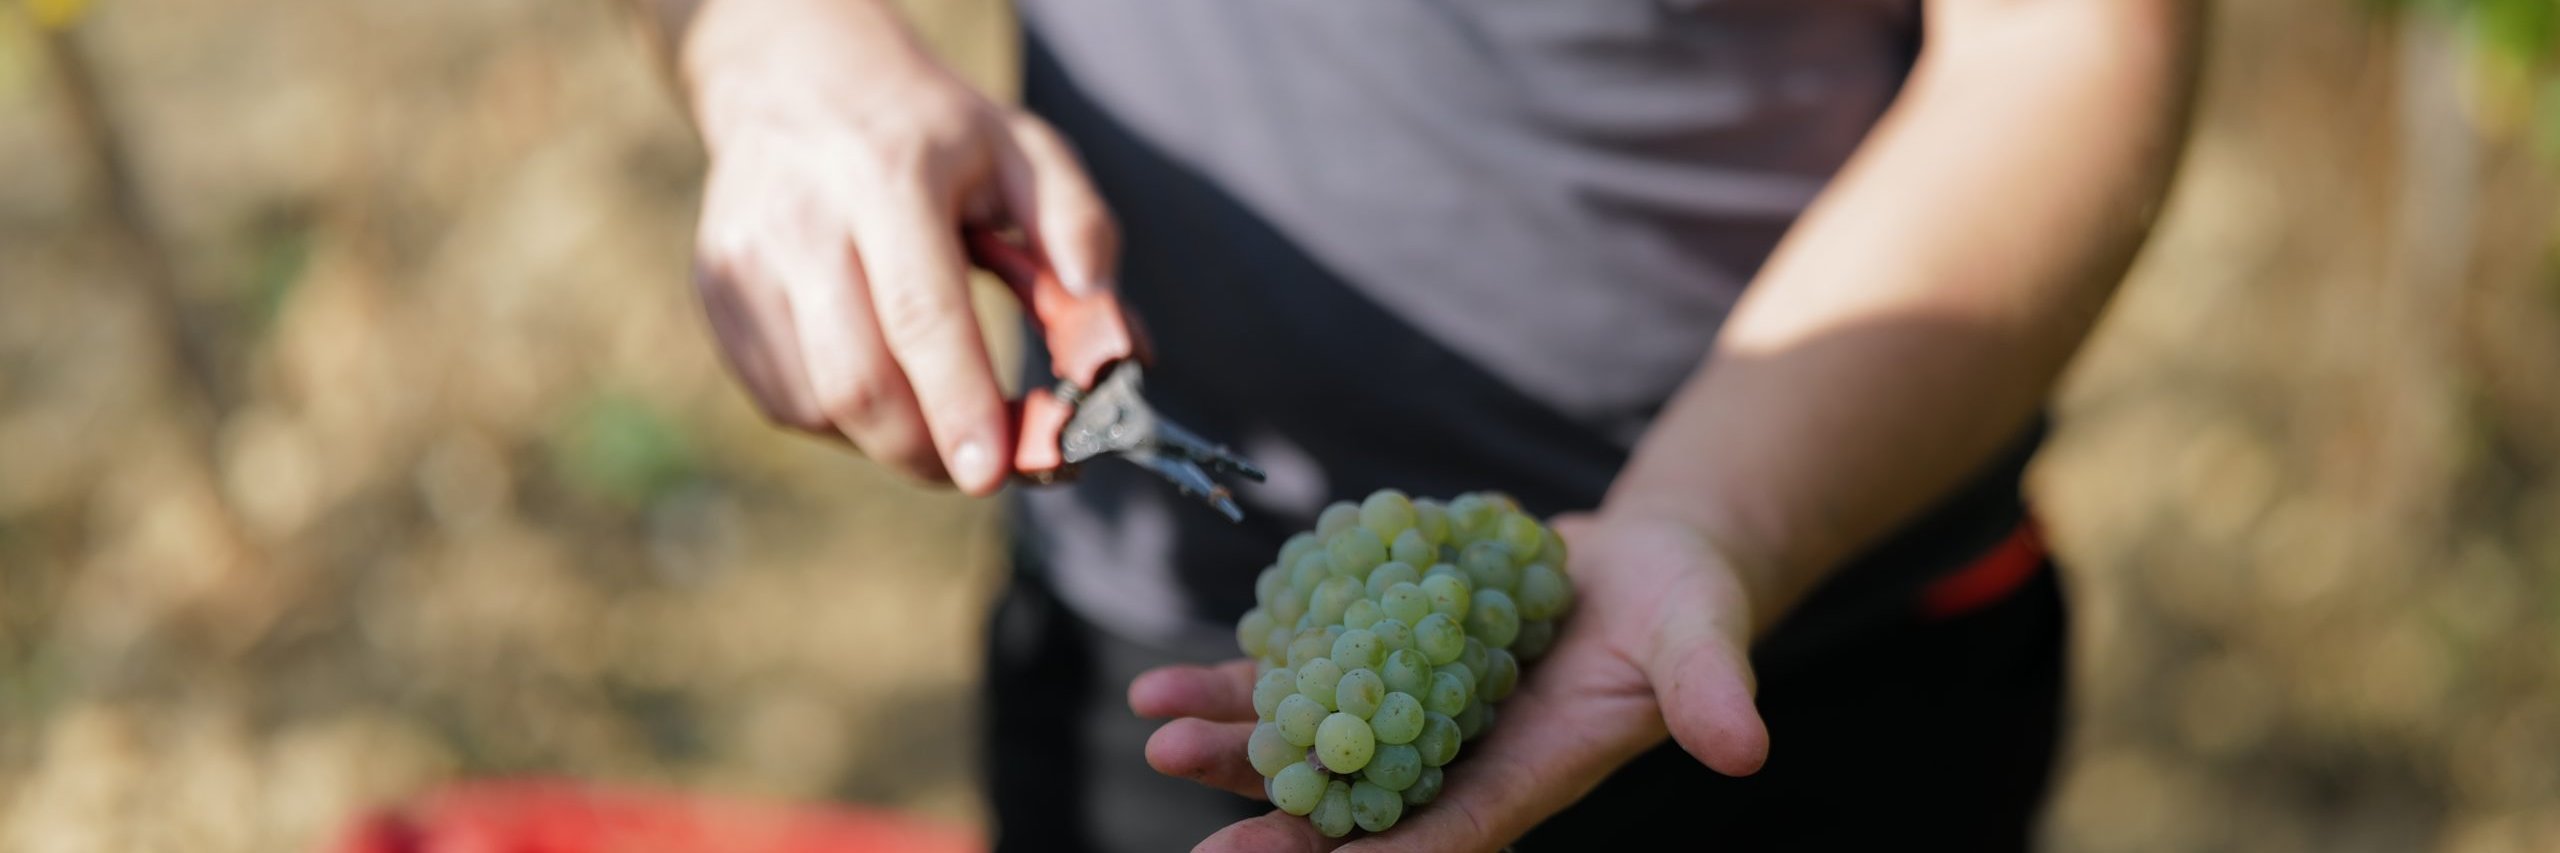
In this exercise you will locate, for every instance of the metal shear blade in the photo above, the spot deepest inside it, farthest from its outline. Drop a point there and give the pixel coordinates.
(1114, 418)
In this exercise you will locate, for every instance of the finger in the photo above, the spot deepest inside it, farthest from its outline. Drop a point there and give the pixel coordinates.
(1209, 753)
(1705, 685)
(1223, 692)
(744, 301)
(855, 381)
(752, 326)
(1049, 194)
(1276, 832)
(1696, 652)
(918, 277)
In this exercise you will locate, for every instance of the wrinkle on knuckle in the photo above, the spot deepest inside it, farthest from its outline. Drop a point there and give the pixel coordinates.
(856, 404)
(912, 316)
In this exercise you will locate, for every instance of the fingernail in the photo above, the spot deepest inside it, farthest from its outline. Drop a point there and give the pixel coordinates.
(970, 462)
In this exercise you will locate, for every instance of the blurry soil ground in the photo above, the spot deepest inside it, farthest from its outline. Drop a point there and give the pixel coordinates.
(478, 500)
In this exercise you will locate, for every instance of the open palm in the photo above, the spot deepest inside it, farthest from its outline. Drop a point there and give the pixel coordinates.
(1657, 644)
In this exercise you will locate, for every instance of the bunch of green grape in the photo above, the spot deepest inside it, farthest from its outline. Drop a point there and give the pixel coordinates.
(1386, 636)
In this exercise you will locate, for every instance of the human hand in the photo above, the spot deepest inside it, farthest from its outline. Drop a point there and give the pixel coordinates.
(1657, 644)
(845, 163)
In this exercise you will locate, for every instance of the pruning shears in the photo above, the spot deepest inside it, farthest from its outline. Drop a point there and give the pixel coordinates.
(1097, 405)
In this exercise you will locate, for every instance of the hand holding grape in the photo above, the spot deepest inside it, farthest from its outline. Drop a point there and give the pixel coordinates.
(1656, 644)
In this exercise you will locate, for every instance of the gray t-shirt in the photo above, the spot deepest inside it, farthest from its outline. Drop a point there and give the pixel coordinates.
(1437, 245)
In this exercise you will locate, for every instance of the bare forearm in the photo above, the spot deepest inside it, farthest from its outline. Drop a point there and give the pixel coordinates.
(1917, 317)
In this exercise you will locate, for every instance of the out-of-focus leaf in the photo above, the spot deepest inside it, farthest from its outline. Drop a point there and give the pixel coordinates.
(621, 449)
(280, 258)
(2521, 29)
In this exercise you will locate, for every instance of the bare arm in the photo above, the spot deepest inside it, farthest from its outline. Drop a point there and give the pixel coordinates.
(1915, 320)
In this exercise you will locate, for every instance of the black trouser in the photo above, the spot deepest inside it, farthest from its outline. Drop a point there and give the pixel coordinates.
(1938, 734)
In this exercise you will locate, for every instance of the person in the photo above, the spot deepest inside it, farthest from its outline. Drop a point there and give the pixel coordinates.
(1762, 300)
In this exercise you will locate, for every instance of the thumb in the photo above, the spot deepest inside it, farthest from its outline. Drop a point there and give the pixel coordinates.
(1697, 653)
(1047, 192)
(1705, 685)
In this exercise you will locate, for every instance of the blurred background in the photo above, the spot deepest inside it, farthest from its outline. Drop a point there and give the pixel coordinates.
(359, 435)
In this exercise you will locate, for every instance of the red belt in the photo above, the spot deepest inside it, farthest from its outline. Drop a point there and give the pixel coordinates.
(1990, 577)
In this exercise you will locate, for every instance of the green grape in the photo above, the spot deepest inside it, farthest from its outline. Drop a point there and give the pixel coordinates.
(1333, 814)
(1469, 514)
(1272, 687)
(1488, 564)
(1390, 573)
(1466, 675)
(1405, 603)
(1359, 693)
(1535, 638)
(1432, 518)
(1297, 788)
(1387, 512)
(1374, 807)
(1374, 671)
(1300, 544)
(1438, 741)
(1291, 606)
(1393, 636)
(1522, 534)
(1475, 657)
(1426, 787)
(1411, 549)
(1253, 632)
(1308, 571)
(1544, 594)
(1356, 551)
(1316, 680)
(1358, 648)
(1502, 675)
(1308, 645)
(1449, 594)
(1448, 695)
(1345, 743)
(1336, 517)
(1471, 721)
(1298, 718)
(1407, 671)
(1331, 598)
(1439, 638)
(1269, 752)
(1398, 718)
(1494, 618)
(1362, 614)
(1394, 767)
